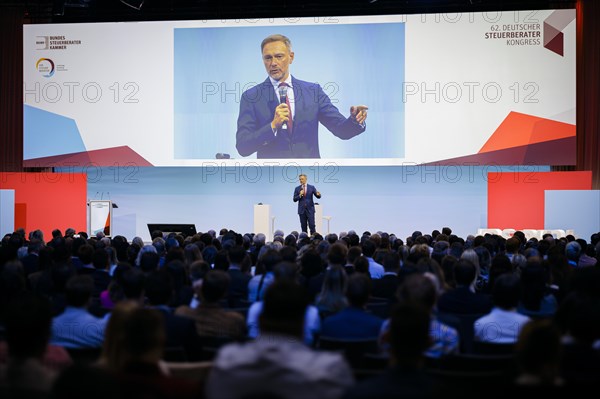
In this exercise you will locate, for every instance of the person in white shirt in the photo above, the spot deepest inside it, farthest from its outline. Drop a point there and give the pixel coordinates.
(503, 324)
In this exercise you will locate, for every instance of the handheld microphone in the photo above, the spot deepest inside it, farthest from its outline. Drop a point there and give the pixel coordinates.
(283, 100)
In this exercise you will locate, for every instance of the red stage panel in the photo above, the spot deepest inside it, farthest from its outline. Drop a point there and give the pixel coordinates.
(47, 201)
(516, 199)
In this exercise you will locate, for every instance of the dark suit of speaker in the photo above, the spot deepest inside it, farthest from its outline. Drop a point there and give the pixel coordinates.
(313, 106)
(306, 206)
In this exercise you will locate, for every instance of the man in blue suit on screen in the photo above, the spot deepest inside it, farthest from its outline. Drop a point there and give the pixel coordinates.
(279, 118)
(303, 195)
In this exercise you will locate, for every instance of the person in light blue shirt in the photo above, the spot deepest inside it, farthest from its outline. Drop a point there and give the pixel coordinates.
(503, 324)
(76, 327)
(284, 271)
(257, 286)
(375, 269)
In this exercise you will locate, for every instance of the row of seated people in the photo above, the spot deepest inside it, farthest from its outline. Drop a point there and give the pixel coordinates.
(350, 318)
(277, 363)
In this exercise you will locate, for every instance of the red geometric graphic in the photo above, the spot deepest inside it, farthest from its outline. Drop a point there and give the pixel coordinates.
(523, 139)
(516, 199)
(47, 201)
(556, 41)
(553, 27)
(105, 157)
(519, 129)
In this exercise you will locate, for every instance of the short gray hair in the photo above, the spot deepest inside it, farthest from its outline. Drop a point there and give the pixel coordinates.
(276, 38)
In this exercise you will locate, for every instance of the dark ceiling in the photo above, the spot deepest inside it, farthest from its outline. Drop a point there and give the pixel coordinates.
(37, 11)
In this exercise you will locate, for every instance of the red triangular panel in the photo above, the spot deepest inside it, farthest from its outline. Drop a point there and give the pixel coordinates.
(556, 44)
(519, 129)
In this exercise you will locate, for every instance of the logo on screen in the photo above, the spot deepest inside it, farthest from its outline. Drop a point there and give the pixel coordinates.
(56, 42)
(553, 30)
(45, 66)
(42, 42)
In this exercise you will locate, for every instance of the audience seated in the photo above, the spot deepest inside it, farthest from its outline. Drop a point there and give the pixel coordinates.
(278, 363)
(386, 286)
(27, 370)
(408, 338)
(209, 317)
(354, 322)
(538, 352)
(503, 324)
(368, 249)
(238, 287)
(135, 342)
(264, 276)
(420, 289)
(68, 274)
(180, 331)
(76, 327)
(463, 299)
(285, 271)
(312, 272)
(537, 300)
(332, 297)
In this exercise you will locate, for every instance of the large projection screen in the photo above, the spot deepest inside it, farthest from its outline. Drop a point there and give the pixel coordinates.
(470, 88)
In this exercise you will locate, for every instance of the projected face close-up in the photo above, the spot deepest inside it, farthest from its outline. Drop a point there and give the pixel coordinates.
(277, 58)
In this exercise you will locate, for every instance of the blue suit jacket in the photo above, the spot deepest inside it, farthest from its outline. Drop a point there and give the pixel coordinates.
(312, 105)
(305, 203)
(351, 323)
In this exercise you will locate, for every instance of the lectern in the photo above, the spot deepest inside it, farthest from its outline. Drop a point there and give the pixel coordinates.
(100, 217)
(319, 218)
(262, 220)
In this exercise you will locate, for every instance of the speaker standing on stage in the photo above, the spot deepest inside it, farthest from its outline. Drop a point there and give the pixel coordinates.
(303, 195)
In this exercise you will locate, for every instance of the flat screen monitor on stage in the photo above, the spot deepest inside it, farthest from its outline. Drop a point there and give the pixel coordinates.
(177, 228)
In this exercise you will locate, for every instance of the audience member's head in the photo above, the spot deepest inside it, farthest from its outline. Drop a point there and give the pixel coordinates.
(368, 248)
(353, 253)
(361, 266)
(28, 321)
(409, 335)
(133, 281)
(465, 273)
(337, 254)
(143, 337)
(112, 356)
(573, 251)
(158, 288)
(512, 245)
(358, 290)
(506, 291)
(284, 309)
(100, 259)
(285, 271)
(149, 262)
(538, 353)
(288, 253)
(418, 289)
(391, 262)
(214, 286)
(311, 264)
(79, 291)
(86, 254)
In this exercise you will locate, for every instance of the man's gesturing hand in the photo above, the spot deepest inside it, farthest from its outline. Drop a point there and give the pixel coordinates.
(359, 112)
